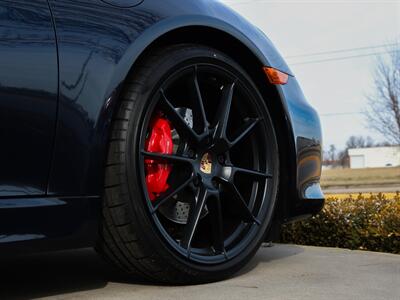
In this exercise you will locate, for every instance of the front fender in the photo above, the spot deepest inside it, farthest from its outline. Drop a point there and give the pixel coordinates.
(98, 44)
(217, 17)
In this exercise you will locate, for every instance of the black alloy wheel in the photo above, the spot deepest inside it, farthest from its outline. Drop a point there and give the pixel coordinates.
(199, 170)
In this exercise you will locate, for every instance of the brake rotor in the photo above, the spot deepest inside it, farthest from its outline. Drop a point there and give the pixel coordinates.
(178, 211)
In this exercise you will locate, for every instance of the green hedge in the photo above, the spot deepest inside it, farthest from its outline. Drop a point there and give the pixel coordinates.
(366, 223)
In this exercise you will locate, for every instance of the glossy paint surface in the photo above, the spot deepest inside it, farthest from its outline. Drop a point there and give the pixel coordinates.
(123, 3)
(56, 118)
(28, 96)
(306, 196)
(31, 224)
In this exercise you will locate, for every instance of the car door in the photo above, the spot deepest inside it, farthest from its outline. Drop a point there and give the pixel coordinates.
(28, 96)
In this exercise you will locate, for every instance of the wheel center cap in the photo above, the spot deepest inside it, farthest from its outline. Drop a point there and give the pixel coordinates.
(206, 163)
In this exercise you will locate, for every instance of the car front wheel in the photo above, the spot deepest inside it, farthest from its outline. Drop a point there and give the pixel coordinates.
(192, 169)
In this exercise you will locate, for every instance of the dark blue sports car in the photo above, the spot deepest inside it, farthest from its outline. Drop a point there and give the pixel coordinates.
(170, 135)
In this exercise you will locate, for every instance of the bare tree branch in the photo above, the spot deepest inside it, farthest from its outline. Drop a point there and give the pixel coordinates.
(383, 112)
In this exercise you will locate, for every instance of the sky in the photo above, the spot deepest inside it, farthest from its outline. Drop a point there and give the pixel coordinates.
(303, 30)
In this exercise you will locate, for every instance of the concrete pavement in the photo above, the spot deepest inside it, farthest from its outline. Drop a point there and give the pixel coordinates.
(278, 272)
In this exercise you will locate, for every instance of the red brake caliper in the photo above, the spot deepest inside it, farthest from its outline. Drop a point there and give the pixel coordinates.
(160, 141)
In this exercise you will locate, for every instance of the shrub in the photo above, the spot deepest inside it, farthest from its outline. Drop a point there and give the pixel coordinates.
(364, 222)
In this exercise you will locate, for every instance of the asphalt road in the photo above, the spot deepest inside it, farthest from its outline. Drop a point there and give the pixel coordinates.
(278, 272)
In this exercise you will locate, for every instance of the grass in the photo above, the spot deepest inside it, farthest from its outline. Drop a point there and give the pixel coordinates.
(360, 177)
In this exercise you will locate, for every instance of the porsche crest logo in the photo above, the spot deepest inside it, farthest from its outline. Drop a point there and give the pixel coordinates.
(206, 163)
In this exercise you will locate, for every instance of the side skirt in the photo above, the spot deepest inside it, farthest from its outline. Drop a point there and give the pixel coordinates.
(37, 224)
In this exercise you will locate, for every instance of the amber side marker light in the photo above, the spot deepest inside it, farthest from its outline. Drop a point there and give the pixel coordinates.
(275, 76)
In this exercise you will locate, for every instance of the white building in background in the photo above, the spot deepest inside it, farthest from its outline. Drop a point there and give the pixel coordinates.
(374, 157)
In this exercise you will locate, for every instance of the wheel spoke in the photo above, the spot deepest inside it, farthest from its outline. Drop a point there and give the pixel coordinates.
(169, 194)
(167, 157)
(224, 111)
(195, 210)
(244, 131)
(215, 211)
(244, 210)
(199, 113)
(177, 120)
(252, 173)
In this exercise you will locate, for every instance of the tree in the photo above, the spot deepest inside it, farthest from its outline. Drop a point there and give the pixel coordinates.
(383, 113)
(359, 142)
(329, 156)
(343, 158)
(332, 153)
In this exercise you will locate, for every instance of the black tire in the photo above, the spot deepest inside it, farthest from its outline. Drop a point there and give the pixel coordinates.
(130, 236)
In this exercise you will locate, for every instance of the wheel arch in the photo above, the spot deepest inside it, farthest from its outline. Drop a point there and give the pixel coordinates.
(251, 62)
